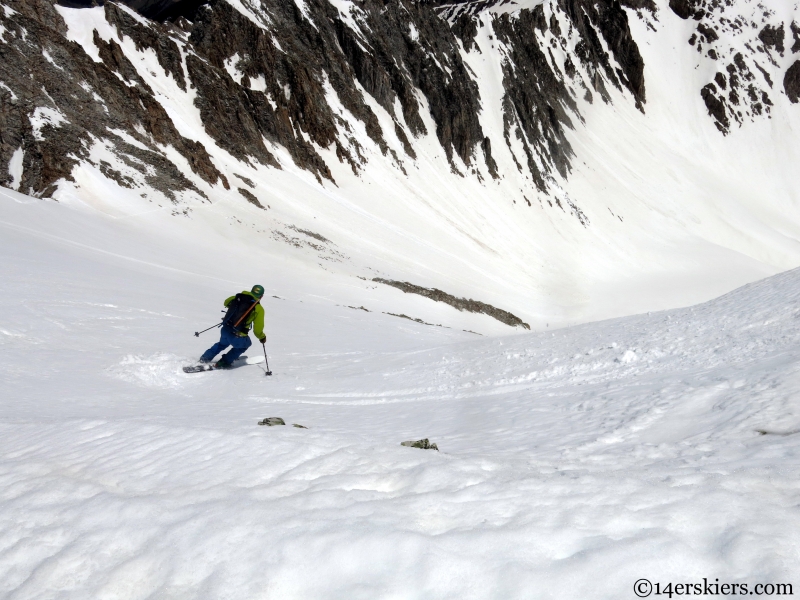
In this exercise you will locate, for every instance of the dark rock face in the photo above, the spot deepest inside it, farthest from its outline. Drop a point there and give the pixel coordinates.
(791, 82)
(227, 113)
(250, 197)
(111, 54)
(330, 51)
(271, 83)
(708, 33)
(410, 48)
(535, 98)
(612, 22)
(640, 4)
(219, 33)
(169, 57)
(538, 99)
(295, 75)
(465, 28)
(746, 49)
(795, 37)
(772, 37)
(397, 49)
(161, 10)
(73, 102)
(462, 304)
(715, 107)
(683, 8)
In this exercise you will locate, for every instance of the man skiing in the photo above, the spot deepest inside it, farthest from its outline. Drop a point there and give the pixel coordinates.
(244, 311)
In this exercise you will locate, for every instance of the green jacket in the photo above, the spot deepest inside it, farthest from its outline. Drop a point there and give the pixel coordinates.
(254, 318)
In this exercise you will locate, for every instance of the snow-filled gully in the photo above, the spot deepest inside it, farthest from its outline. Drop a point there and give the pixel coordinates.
(572, 462)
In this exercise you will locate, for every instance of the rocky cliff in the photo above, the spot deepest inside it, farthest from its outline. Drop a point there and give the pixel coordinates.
(268, 73)
(264, 74)
(743, 85)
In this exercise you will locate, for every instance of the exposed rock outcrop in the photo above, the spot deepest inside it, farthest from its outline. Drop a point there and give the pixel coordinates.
(74, 103)
(154, 38)
(795, 37)
(742, 88)
(536, 101)
(250, 197)
(791, 82)
(683, 8)
(715, 106)
(463, 304)
(320, 79)
(294, 76)
(423, 444)
(612, 22)
(772, 37)
(539, 101)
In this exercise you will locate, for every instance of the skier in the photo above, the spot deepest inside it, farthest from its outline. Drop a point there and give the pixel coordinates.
(244, 310)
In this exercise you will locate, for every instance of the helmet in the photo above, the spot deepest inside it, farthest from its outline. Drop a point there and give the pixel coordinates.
(257, 291)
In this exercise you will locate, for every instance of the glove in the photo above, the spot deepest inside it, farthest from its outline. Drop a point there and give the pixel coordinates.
(263, 340)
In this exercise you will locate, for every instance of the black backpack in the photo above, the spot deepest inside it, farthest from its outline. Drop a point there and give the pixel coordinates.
(238, 309)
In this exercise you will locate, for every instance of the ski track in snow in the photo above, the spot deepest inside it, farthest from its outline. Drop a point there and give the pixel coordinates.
(572, 462)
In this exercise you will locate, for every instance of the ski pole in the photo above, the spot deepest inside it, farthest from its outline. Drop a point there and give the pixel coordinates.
(267, 372)
(197, 333)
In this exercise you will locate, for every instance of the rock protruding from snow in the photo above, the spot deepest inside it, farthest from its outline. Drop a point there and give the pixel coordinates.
(463, 304)
(745, 44)
(682, 8)
(321, 68)
(791, 82)
(423, 444)
(251, 198)
(109, 117)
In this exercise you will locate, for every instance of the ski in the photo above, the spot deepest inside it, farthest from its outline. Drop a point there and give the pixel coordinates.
(198, 368)
(239, 362)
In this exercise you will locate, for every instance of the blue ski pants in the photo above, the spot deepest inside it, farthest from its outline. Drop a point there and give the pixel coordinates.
(228, 338)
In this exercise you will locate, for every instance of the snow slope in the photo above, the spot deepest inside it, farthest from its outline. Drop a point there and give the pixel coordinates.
(572, 463)
(677, 212)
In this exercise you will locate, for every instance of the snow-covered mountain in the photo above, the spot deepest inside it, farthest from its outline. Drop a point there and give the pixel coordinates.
(553, 161)
(571, 463)
(411, 182)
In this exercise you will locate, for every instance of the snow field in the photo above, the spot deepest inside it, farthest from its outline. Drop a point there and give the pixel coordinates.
(678, 213)
(573, 462)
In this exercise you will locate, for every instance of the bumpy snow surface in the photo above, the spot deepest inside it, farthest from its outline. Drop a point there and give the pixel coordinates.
(572, 462)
